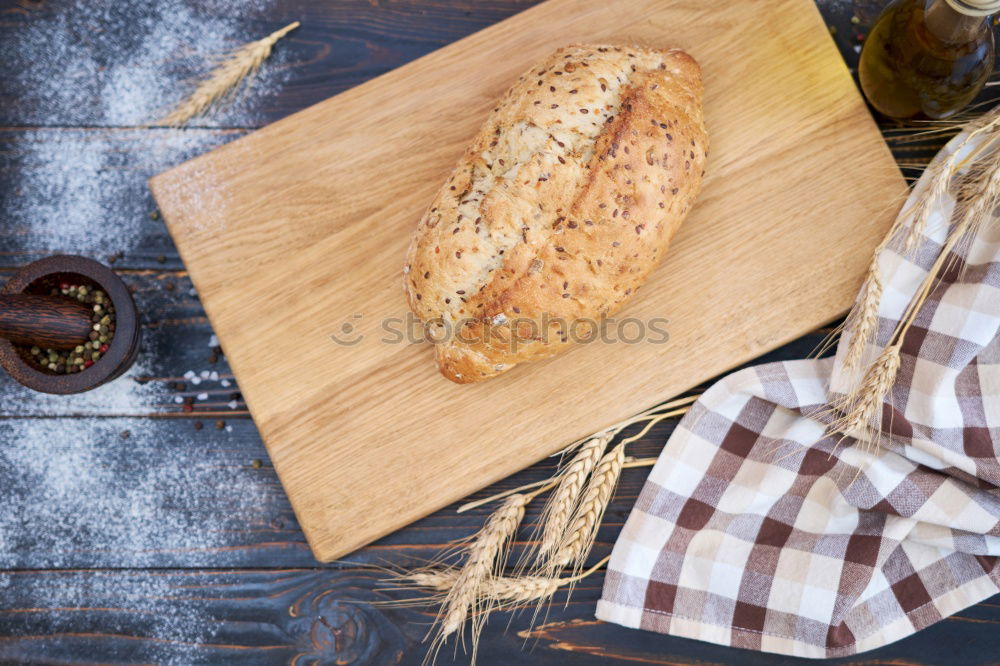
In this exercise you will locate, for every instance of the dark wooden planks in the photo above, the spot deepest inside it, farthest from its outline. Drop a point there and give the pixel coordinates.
(147, 53)
(83, 191)
(177, 341)
(326, 616)
(118, 612)
(139, 493)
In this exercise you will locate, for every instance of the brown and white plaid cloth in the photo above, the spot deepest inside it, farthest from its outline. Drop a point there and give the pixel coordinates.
(756, 530)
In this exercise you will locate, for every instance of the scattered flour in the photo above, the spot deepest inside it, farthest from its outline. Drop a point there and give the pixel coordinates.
(126, 63)
(156, 606)
(80, 495)
(121, 397)
(84, 191)
(90, 65)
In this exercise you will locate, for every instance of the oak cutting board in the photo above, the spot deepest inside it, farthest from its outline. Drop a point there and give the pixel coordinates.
(301, 228)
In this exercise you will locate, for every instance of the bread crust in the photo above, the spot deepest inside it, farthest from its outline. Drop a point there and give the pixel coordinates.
(563, 204)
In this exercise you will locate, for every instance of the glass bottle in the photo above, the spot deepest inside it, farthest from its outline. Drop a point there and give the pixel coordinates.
(928, 58)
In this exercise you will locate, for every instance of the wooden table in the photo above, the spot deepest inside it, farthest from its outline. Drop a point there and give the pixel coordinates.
(142, 523)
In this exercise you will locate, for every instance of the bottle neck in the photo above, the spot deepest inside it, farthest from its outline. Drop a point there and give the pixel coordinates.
(950, 24)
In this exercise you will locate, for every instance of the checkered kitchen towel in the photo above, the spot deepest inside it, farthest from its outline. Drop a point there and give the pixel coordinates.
(756, 530)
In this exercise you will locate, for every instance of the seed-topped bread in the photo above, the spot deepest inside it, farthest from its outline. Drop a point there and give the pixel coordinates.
(565, 201)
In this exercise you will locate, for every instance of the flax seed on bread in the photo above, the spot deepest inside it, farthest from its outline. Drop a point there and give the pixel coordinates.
(561, 207)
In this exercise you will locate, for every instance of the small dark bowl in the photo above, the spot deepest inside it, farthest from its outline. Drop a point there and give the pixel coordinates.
(38, 278)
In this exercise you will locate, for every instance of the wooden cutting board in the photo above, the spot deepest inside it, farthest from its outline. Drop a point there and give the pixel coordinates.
(298, 231)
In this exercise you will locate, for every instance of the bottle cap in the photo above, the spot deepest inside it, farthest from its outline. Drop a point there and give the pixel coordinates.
(975, 7)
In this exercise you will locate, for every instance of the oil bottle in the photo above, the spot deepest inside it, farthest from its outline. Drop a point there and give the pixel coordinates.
(928, 58)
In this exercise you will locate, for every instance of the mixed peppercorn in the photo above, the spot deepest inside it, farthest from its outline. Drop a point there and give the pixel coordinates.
(66, 361)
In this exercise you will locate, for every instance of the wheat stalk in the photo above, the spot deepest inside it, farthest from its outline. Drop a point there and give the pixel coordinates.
(559, 509)
(582, 531)
(511, 591)
(652, 416)
(485, 555)
(861, 409)
(865, 324)
(224, 79)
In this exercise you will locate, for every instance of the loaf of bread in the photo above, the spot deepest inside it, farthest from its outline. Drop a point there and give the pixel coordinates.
(563, 204)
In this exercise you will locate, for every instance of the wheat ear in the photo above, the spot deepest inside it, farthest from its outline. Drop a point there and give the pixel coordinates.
(559, 509)
(863, 317)
(485, 555)
(862, 408)
(941, 176)
(224, 79)
(576, 537)
(865, 324)
(582, 531)
(506, 591)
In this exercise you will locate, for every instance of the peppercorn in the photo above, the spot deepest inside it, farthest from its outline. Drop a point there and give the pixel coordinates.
(81, 356)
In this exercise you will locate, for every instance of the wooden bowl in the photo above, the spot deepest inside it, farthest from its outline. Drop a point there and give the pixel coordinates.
(38, 278)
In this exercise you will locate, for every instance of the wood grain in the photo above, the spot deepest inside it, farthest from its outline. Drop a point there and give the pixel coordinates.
(112, 614)
(95, 203)
(47, 321)
(207, 521)
(339, 45)
(170, 494)
(176, 340)
(306, 616)
(319, 208)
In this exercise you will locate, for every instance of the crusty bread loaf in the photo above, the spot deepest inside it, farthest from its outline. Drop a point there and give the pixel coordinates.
(565, 201)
